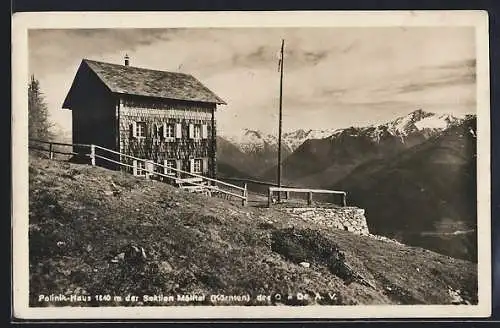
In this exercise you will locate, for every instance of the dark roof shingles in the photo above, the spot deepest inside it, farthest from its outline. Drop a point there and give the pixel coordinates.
(152, 83)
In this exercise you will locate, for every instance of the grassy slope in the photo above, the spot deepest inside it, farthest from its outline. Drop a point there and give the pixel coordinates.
(196, 244)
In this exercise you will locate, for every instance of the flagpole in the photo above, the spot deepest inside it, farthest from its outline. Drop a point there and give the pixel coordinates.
(280, 117)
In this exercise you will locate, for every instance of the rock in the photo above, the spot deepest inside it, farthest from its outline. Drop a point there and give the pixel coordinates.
(60, 243)
(108, 193)
(135, 254)
(131, 254)
(118, 258)
(305, 264)
(269, 260)
(66, 272)
(455, 296)
(164, 267)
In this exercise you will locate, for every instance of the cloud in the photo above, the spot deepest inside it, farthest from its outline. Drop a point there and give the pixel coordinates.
(332, 92)
(265, 54)
(445, 82)
(332, 77)
(469, 63)
(51, 50)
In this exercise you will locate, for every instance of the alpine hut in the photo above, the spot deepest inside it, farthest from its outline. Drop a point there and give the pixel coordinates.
(165, 117)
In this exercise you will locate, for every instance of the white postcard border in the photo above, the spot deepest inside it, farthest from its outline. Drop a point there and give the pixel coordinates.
(57, 20)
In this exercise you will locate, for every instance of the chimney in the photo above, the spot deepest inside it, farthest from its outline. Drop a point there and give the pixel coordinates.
(126, 60)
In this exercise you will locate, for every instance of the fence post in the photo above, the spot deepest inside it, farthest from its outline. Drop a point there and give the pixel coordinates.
(309, 198)
(269, 197)
(51, 154)
(344, 199)
(92, 154)
(287, 195)
(245, 194)
(147, 167)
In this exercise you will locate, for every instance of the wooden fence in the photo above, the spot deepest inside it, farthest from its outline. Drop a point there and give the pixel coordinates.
(52, 147)
(211, 186)
(255, 186)
(269, 189)
(308, 192)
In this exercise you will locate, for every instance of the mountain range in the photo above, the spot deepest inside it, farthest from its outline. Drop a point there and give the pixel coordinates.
(310, 156)
(415, 175)
(424, 195)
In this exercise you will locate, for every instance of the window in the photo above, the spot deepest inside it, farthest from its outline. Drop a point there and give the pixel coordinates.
(169, 164)
(139, 168)
(156, 131)
(197, 165)
(156, 134)
(169, 131)
(197, 131)
(140, 130)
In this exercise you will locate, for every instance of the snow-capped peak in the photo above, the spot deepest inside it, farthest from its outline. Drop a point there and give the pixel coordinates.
(402, 126)
(418, 121)
(433, 122)
(296, 138)
(252, 140)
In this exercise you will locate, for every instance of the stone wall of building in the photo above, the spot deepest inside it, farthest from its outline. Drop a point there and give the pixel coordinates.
(345, 218)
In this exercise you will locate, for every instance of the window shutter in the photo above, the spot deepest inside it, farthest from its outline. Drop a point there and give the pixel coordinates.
(204, 167)
(165, 168)
(179, 167)
(150, 167)
(153, 131)
(164, 130)
(191, 165)
(191, 131)
(204, 131)
(178, 131)
(134, 164)
(133, 128)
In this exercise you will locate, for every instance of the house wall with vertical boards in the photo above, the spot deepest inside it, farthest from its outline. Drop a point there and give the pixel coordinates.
(182, 116)
(93, 112)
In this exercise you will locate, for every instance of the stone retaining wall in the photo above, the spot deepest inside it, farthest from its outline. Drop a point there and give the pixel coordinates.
(345, 218)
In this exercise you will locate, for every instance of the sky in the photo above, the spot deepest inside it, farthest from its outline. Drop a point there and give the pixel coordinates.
(334, 77)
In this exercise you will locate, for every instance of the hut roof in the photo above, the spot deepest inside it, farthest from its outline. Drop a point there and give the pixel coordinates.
(152, 83)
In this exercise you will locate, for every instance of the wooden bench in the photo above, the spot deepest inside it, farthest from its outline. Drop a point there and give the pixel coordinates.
(181, 182)
(198, 189)
(193, 188)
